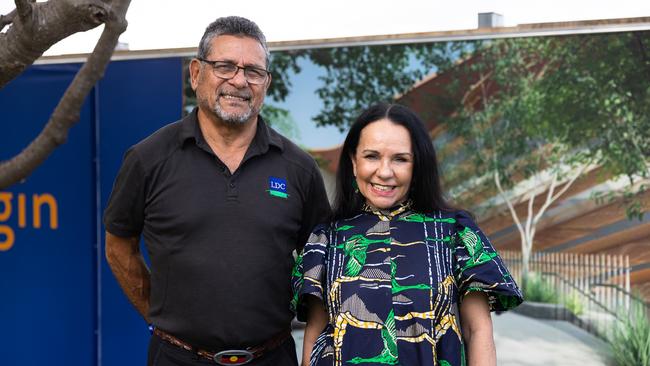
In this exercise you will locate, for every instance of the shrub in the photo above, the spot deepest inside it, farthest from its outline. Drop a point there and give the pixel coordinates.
(539, 290)
(574, 304)
(630, 337)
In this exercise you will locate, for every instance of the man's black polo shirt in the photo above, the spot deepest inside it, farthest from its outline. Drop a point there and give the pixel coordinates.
(220, 244)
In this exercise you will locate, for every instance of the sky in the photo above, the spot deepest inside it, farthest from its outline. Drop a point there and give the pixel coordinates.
(160, 24)
(156, 24)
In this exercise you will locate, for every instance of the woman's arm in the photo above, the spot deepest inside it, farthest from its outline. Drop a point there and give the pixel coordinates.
(476, 325)
(316, 322)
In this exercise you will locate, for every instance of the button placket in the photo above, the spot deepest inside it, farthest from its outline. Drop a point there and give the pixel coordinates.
(232, 186)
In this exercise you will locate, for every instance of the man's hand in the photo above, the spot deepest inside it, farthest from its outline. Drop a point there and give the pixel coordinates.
(126, 262)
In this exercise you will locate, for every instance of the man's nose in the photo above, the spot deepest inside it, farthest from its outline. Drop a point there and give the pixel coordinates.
(239, 79)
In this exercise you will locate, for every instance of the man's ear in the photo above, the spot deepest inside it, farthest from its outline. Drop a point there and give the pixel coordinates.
(195, 69)
(268, 81)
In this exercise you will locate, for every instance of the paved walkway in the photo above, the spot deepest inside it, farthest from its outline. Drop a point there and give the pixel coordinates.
(523, 341)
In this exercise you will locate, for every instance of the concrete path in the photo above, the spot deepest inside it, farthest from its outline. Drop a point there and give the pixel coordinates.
(524, 341)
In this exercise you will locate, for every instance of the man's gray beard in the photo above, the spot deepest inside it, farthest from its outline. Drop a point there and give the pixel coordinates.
(234, 118)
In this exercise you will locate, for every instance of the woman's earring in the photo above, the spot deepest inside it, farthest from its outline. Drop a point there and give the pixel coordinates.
(355, 185)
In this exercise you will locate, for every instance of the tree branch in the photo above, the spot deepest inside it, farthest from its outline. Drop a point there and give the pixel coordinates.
(24, 8)
(529, 218)
(552, 198)
(51, 21)
(511, 208)
(549, 199)
(7, 19)
(547, 202)
(66, 113)
(570, 182)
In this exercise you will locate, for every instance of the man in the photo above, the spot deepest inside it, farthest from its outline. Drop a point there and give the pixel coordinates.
(222, 201)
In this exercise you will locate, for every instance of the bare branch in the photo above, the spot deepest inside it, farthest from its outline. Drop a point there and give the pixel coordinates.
(548, 200)
(66, 113)
(511, 208)
(559, 194)
(529, 217)
(7, 19)
(51, 21)
(24, 8)
(573, 179)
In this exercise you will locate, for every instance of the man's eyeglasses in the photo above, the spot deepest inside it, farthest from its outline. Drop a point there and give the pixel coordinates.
(228, 70)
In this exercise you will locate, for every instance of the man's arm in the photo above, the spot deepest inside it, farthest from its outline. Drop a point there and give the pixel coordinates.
(128, 266)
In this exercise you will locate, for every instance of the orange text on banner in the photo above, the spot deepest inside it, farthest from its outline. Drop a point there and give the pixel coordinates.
(10, 207)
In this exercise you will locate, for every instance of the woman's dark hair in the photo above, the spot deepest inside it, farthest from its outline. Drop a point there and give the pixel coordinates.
(425, 190)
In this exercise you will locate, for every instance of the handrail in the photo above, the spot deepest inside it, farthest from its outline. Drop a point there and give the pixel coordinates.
(583, 293)
(624, 291)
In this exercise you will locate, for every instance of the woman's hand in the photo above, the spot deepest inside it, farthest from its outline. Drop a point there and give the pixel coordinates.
(316, 322)
(476, 325)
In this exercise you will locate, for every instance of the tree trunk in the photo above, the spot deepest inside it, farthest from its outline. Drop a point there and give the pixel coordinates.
(66, 113)
(527, 231)
(525, 270)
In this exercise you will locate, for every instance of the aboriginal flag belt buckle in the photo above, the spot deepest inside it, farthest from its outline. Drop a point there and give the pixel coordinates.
(233, 357)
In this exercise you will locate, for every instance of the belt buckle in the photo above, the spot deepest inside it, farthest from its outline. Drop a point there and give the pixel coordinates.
(233, 357)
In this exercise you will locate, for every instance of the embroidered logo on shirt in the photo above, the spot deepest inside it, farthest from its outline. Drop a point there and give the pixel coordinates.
(278, 187)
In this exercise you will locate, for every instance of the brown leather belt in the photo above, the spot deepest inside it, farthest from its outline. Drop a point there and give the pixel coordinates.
(232, 356)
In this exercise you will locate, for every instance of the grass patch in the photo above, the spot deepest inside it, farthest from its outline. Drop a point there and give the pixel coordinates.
(630, 337)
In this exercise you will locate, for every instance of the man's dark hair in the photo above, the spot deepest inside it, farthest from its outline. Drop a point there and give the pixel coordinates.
(233, 26)
(425, 190)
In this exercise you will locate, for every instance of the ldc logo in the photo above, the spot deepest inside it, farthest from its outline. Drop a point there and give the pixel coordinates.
(279, 186)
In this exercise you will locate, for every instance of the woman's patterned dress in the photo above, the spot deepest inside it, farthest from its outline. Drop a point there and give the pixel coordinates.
(392, 283)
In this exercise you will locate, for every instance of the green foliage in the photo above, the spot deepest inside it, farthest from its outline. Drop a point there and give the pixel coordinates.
(630, 338)
(551, 102)
(356, 77)
(633, 207)
(281, 120)
(283, 66)
(539, 290)
(574, 304)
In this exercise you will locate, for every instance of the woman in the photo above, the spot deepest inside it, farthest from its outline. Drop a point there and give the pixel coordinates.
(398, 277)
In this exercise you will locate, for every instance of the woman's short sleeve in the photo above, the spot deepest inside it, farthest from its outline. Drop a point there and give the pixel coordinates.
(479, 268)
(308, 276)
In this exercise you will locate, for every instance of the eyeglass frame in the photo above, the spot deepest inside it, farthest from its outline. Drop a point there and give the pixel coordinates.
(245, 68)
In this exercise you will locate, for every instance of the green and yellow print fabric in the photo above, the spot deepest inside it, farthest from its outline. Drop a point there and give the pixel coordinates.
(392, 283)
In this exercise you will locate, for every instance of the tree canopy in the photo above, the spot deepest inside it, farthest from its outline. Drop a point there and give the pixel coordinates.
(526, 104)
(551, 102)
(358, 76)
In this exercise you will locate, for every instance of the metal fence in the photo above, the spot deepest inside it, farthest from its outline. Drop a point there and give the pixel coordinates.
(592, 290)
